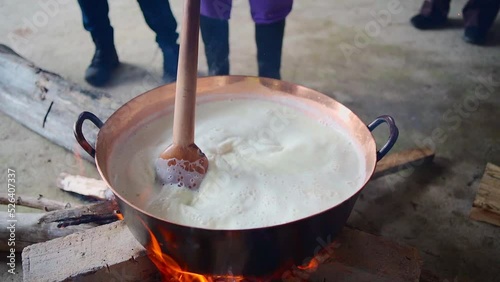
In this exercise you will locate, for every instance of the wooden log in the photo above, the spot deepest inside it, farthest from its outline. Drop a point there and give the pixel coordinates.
(84, 186)
(40, 202)
(486, 206)
(488, 195)
(33, 228)
(100, 213)
(28, 230)
(111, 252)
(47, 103)
(484, 216)
(403, 160)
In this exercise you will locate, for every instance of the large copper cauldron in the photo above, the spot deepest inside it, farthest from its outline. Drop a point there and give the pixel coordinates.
(248, 252)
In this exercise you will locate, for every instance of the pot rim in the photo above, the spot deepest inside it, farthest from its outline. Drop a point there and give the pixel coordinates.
(264, 81)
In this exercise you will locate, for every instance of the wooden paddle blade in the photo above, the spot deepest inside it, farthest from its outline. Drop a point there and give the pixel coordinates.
(182, 166)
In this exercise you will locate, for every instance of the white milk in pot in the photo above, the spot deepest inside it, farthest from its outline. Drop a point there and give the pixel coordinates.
(269, 164)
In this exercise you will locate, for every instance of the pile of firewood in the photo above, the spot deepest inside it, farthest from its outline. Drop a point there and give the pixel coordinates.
(59, 219)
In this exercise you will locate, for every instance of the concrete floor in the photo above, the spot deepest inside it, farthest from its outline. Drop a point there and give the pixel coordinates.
(441, 91)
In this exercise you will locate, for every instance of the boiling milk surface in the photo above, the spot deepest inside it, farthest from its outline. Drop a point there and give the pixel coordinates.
(268, 164)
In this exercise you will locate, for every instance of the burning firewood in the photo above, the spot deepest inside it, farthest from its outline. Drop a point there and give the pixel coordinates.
(99, 213)
(29, 230)
(62, 220)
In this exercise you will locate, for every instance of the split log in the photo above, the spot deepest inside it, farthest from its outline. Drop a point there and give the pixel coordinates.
(110, 252)
(100, 213)
(486, 206)
(33, 228)
(485, 216)
(45, 102)
(84, 186)
(29, 230)
(40, 202)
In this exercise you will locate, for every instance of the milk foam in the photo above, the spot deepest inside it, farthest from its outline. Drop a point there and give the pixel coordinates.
(268, 164)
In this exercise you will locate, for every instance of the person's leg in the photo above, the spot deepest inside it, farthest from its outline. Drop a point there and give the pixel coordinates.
(479, 16)
(269, 17)
(433, 14)
(214, 25)
(161, 20)
(435, 8)
(215, 35)
(96, 21)
(269, 40)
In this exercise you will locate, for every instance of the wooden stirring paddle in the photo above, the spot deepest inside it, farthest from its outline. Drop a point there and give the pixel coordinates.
(183, 163)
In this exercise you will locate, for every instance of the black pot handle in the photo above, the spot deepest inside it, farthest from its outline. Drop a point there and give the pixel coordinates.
(77, 130)
(393, 134)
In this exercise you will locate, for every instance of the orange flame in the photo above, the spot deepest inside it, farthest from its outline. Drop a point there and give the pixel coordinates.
(311, 266)
(171, 271)
(79, 160)
(120, 216)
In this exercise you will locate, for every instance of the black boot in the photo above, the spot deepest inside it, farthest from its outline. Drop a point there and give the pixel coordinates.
(160, 19)
(479, 16)
(474, 35)
(170, 59)
(433, 14)
(96, 21)
(269, 39)
(428, 22)
(215, 35)
(103, 63)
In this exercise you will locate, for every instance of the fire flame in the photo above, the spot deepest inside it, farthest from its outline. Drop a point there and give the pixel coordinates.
(79, 160)
(172, 271)
(311, 266)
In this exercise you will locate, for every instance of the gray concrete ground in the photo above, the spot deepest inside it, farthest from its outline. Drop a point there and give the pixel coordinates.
(441, 91)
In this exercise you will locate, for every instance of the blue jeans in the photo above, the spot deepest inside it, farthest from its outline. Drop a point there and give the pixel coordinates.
(157, 14)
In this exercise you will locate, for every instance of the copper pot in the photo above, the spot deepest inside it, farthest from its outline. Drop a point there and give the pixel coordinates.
(249, 252)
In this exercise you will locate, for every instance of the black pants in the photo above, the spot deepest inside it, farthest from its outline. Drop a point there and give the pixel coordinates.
(477, 13)
(157, 14)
